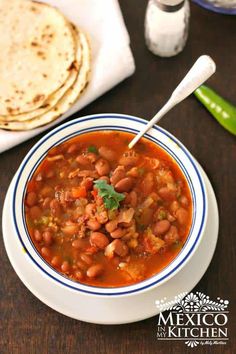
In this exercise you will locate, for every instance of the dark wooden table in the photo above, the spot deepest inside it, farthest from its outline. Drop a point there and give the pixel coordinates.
(27, 325)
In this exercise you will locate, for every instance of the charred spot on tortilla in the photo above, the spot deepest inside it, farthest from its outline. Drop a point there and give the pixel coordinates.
(45, 105)
(73, 65)
(40, 53)
(73, 26)
(38, 98)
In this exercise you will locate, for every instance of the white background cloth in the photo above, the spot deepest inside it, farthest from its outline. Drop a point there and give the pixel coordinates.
(112, 60)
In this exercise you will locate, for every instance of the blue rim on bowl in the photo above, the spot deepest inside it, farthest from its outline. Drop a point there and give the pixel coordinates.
(215, 8)
(117, 122)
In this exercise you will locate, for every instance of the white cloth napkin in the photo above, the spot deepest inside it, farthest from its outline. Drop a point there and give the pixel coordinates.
(112, 60)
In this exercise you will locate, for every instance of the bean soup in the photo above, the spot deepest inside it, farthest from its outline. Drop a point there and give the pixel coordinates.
(107, 216)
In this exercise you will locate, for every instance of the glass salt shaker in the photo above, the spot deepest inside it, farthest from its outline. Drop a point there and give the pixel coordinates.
(166, 26)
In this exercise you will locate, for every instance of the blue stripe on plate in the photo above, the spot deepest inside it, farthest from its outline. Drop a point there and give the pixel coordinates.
(210, 6)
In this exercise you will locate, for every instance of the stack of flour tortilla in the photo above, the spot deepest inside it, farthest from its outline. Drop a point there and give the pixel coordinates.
(44, 64)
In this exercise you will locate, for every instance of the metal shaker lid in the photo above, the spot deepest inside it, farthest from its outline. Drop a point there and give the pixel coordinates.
(170, 5)
(170, 2)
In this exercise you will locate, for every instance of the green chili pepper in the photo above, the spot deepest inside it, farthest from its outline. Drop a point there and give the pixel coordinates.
(223, 111)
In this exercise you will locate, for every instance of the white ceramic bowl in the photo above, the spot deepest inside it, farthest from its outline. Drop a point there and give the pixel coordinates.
(122, 123)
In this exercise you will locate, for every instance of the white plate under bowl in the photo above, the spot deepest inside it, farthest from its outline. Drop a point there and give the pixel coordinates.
(105, 310)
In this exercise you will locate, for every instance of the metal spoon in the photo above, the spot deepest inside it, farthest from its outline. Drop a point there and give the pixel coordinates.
(202, 69)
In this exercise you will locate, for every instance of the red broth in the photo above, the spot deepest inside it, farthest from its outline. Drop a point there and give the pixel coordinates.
(107, 216)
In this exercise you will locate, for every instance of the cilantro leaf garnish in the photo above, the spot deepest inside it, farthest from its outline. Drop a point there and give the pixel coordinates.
(93, 149)
(110, 197)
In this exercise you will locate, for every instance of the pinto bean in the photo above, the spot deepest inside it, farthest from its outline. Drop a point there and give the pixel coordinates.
(35, 212)
(46, 252)
(121, 249)
(124, 185)
(184, 201)
(90, 209)
(133, 172)
(174, 206)
(133, 199)
(31, 199)
(83, 160)
(70, 228)
(82, 265)
(102, 167)
(111, 225)
(37, 235)
(146, 216)
(107, 153)
(167, 194)
(72, 148)
(48, 238)
(147, 183)
(161, 227)
(117, 174)
(86, 258)
(78, 244)
(182, 216)
(47, 191)
(92, 157)
(172, 235)
(102, 217)
(118, 233)
(56, 261)
(99, 240)
(105, 178)
(93, 224)
(95, 271)
(91, 250)
(65, 267)
(55, 207)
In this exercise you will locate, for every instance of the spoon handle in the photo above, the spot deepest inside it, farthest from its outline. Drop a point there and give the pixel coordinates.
(202, 69)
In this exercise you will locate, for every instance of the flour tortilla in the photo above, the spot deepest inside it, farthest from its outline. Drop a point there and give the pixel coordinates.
(68, 99)
(37, 53)
(55, 97)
